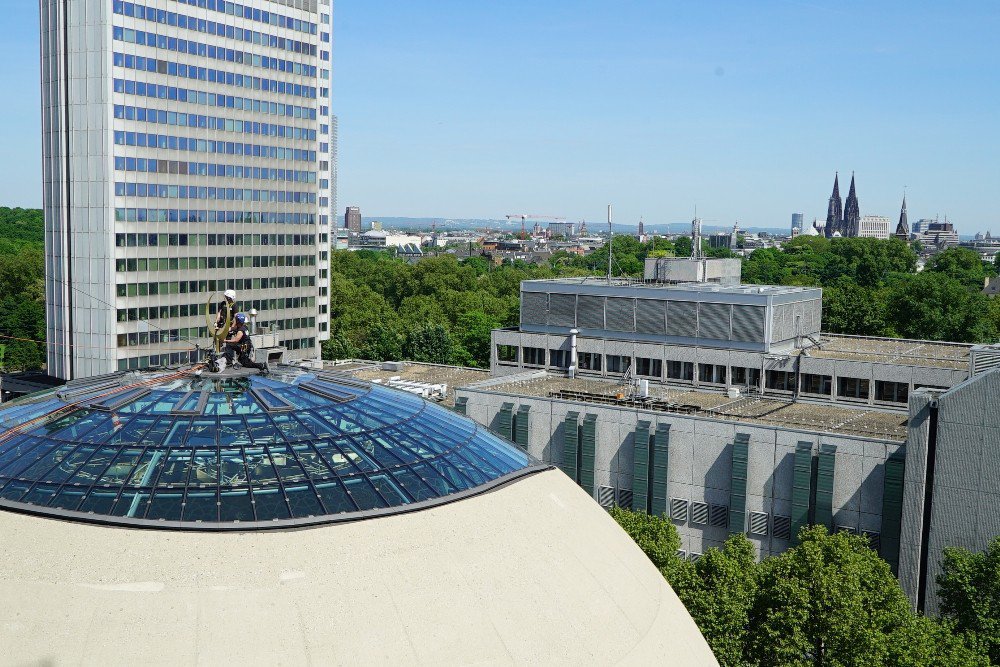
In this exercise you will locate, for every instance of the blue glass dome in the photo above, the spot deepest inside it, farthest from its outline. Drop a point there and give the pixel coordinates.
(180, 451)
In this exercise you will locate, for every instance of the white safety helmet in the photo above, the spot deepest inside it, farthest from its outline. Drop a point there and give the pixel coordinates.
(230, 294)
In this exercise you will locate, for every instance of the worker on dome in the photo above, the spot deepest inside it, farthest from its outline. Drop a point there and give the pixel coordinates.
(239, 345)
(226, 309)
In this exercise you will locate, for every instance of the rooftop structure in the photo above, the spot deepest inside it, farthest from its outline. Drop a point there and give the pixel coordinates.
(464, 547)
(748, 317)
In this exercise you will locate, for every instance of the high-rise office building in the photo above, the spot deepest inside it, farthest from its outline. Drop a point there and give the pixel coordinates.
(797, 222)
(352, 219)
(186, 150)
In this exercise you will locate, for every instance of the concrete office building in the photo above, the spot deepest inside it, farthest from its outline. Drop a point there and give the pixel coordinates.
(725, 408)
(874, 226)
(258, 519)
(186, 150)
(797, 223)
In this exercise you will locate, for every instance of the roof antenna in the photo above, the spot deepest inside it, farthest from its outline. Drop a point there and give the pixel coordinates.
(611, 236)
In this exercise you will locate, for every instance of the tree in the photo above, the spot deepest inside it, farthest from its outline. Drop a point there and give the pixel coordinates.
(683, 247)
(474, 332)
(766, 266)
(829, 600)
(962, 264)
(655, 535)
(720, 599)
(429, 343)
(923, 642)
(935, 306)
(969, 588)
(852, 309)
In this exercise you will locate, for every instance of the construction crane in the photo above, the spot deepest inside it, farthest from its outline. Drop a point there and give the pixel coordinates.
(531, 216)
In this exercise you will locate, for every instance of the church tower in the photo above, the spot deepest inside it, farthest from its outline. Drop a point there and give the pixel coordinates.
(834, 215)
(903, 228)
(852, 213)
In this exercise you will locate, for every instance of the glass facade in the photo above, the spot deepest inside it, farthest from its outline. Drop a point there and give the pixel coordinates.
(177, 451)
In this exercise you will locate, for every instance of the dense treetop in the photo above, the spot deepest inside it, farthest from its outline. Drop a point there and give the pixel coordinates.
(829, 600)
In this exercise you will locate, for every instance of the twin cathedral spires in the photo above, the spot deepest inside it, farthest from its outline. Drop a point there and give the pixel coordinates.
(846, 221)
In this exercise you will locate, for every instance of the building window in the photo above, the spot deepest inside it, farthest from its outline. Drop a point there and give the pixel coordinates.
(817, 384)
(533, 356)
(649, 367)
(712, 373)
(507, 354)
(892, 392)
(852, 388)
(559, 358)
(680, 370)
(745, 377)
(589, 361)
(780, 380)
(618, 364)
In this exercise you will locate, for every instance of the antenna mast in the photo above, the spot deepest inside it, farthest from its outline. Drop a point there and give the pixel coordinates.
(611, 236)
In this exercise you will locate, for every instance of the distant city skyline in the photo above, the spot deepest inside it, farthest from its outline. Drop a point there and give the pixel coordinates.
(476, 111)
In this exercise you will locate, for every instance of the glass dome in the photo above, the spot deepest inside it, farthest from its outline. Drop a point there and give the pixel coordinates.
(176, 450)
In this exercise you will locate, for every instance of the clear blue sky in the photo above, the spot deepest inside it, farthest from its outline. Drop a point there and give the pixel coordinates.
(474, 109)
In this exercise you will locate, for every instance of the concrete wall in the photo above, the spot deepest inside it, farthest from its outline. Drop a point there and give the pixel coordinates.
(700, 453)
(913, 376)
(961, 459)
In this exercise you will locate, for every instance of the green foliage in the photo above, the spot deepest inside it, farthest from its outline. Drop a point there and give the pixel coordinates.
(655, 535)
(22, 288)
(871, 287)
(935, 306)
(960, 264)
(969, 589)
(430, 343)
(830, 600)
(721, 596)
(851, 309)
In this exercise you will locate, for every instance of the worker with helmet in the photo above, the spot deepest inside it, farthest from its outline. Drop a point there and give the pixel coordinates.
(239, 345)
(226, 309)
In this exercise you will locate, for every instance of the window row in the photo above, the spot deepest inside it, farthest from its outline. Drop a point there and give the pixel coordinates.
(201, 121)
(250, 13)
(185, 71)
(198, 309)
(174, 143)
(185, 22)
(152, 190)
(195, 215)
(188, 96)
(200, 49)
(201, 286)
(719, 374)
(212, 169)
(140, 264)
(174, 358)
(180, 335)
(219, 240)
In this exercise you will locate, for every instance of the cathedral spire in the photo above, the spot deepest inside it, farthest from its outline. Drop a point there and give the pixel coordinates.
(833, 210)
(903, 228)
(852, 213)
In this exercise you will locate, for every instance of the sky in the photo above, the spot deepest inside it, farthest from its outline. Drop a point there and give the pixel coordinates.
(741, 111)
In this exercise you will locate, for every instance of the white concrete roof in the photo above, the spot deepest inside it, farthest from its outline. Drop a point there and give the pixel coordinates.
(534, 572)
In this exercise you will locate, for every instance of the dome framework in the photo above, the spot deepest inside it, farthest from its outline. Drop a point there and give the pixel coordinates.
(181, 450)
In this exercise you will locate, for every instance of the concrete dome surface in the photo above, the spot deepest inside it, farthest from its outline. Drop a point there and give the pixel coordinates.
(485, 557)
(534, 572)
